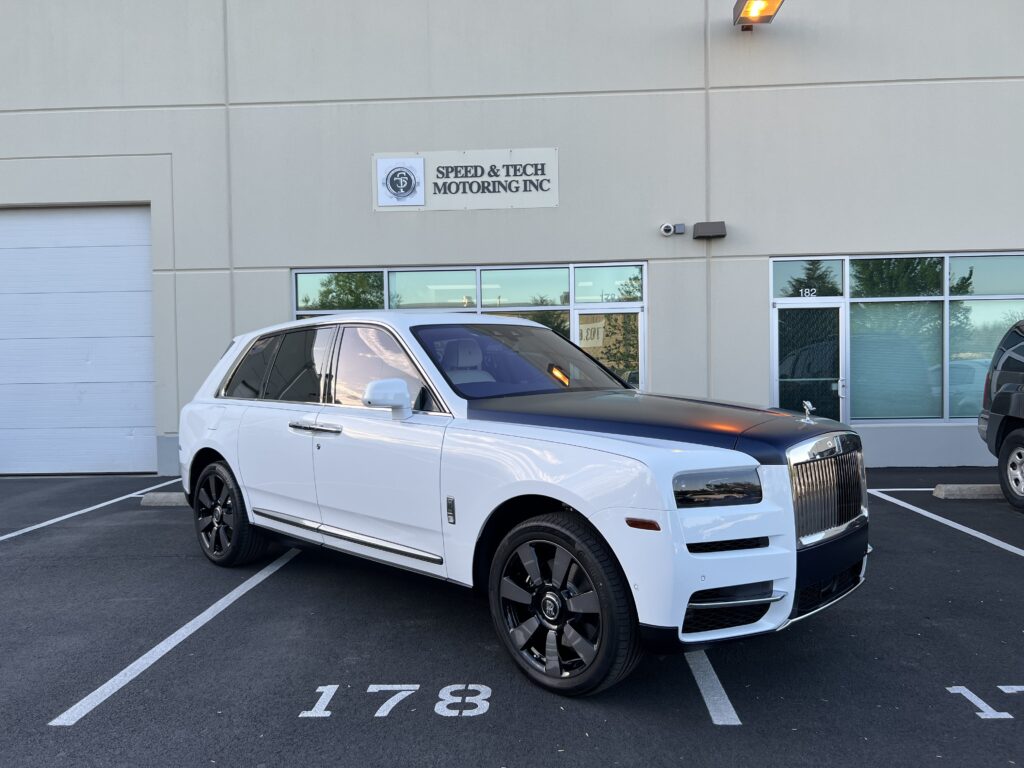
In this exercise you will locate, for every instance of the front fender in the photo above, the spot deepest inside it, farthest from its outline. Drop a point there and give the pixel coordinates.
(480, 471)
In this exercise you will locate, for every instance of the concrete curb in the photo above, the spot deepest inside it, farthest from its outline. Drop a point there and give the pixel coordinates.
(164, 499)
(978, 491)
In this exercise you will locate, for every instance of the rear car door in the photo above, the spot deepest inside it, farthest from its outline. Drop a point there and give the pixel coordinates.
(275, 437)
(378, 478)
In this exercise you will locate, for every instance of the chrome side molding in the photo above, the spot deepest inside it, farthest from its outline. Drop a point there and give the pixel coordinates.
(351, 536)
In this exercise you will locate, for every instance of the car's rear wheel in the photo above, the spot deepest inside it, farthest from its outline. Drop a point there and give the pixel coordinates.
(1011, 468)
(560, 603)
(225, 534)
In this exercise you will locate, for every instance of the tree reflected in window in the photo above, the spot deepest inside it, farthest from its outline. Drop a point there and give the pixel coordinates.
(341, 290)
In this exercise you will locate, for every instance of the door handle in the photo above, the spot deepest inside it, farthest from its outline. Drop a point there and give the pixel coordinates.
(307, 427)
(331, 430)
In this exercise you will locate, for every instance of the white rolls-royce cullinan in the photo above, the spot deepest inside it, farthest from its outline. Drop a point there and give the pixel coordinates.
(491, 452)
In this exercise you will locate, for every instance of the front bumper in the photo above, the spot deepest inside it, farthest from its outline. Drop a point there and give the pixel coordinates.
(825, 574)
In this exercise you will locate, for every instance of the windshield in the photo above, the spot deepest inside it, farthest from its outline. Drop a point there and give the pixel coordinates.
(498, 360)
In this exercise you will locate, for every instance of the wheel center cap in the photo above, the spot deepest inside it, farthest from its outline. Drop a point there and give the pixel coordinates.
(550, 606)
(218, 513)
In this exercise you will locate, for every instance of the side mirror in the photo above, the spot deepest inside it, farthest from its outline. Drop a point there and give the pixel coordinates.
(389, 393)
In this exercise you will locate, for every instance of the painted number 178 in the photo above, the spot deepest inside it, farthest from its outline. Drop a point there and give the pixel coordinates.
(456, 700)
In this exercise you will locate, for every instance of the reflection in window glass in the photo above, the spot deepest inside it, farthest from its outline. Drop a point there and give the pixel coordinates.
(555, 319)
(880, 278)
(609, 284)
(986, 275)
(807, 278)
(339, 290)
(300, 366)
(975, 330)
(369, 354)
(432, 289)
(896, 360)
(614, 339)
(524, 287)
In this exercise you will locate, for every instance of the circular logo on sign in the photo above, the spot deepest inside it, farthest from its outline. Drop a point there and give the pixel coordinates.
(400, 182)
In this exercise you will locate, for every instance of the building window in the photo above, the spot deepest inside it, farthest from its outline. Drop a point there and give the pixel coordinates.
(334, 291)
(913, 335)
(599, 307)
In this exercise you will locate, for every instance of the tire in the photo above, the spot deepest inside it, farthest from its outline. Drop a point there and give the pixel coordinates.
(224, 532)
(1011, 468)
(554, 586)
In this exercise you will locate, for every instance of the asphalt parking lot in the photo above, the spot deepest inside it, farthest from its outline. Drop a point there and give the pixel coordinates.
(865, 683)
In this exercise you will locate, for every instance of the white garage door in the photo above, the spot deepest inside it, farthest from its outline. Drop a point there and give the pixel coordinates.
(76, 341)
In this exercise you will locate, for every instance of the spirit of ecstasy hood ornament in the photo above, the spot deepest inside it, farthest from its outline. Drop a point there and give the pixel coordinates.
(808, 407)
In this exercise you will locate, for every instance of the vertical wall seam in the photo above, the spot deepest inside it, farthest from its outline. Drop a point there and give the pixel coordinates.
(707, 196)
(174, 294)
(227, 169)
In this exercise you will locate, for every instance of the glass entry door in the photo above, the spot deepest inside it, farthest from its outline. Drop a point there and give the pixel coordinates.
(615, 338)
(809, 359)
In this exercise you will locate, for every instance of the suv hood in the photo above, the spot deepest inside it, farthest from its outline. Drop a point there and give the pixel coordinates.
(762, 434)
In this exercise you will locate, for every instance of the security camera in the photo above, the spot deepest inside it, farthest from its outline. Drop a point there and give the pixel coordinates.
(672, 229)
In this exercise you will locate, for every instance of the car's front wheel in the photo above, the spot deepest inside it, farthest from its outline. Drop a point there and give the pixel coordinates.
(1011, 468)
(225, 534)
(560, 603)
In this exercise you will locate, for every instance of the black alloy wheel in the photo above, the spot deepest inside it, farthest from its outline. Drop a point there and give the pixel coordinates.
(551, 609)
(225, 534)
(215, 521)
(559, 601)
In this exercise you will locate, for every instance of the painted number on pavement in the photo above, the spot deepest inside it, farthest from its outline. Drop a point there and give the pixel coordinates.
(455, 700)
(985, 710)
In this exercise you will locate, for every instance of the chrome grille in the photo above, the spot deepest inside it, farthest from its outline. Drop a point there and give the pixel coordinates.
(828, 490)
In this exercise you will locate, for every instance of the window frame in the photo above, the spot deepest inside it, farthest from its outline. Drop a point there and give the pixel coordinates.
(846, 300)
(573, 307)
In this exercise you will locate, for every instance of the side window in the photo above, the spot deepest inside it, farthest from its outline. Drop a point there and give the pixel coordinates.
(249, 375)
(368, 354)
(300, 366)
(1013, 359)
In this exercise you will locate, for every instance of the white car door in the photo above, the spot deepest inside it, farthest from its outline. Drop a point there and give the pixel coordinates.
(275, 437)
(377, 478)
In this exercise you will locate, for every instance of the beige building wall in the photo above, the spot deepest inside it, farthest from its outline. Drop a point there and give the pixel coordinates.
(248, 126)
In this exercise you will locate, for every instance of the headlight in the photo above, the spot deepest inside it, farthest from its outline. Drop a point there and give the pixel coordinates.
(717, 488)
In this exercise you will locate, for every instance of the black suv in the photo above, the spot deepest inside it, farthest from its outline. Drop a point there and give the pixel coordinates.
(1001, 421)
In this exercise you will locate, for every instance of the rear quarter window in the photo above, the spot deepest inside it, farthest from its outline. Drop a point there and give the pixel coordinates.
(247, 380)
(1012, 348)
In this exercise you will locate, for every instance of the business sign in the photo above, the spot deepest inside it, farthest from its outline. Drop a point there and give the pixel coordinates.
(466, 180)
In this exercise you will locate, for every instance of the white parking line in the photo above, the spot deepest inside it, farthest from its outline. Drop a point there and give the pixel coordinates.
(715, 697)
(901, 490)
(154, 654)
(83, 511)
(962, 528)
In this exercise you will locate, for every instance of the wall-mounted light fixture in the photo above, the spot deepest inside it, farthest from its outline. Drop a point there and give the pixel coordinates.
(708, 230)
(747, 13)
